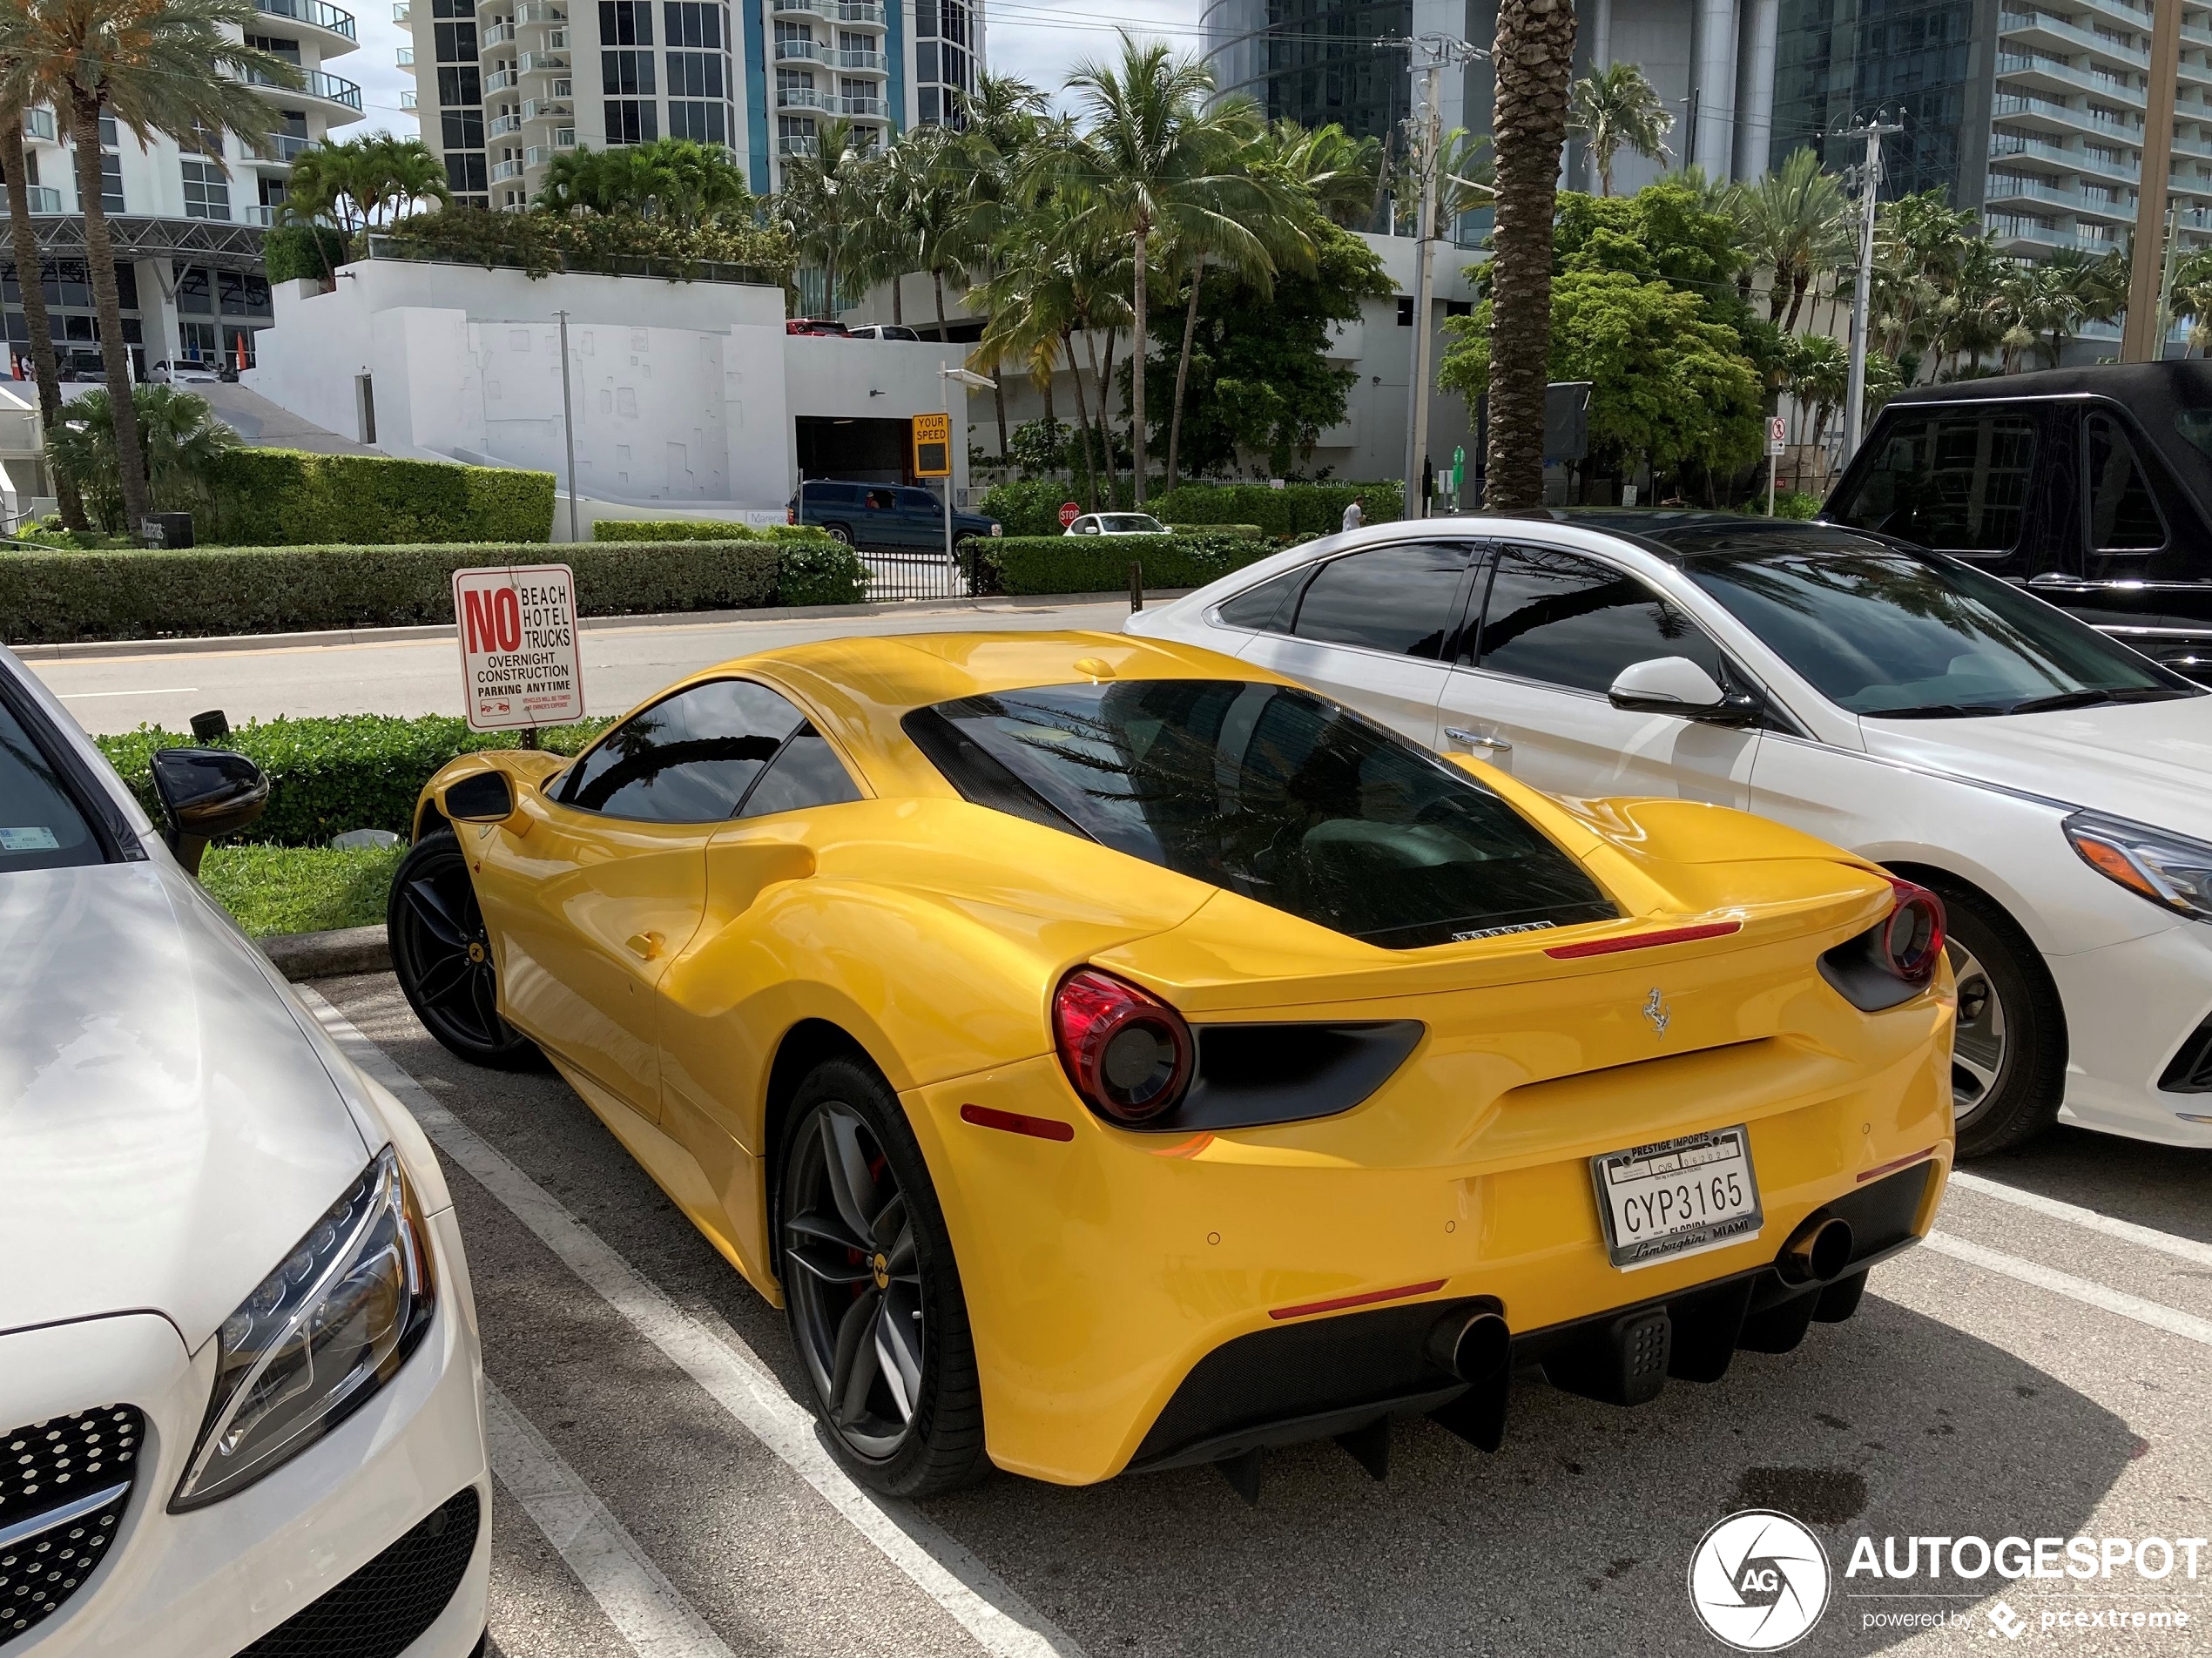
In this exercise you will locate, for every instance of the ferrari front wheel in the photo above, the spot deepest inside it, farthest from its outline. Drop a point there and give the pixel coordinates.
(442, 955)
(872, 1291)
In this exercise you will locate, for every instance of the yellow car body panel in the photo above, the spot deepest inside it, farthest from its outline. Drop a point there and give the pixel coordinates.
(665, 968)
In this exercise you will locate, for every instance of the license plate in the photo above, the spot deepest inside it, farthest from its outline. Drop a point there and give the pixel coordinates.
(1678, 1197)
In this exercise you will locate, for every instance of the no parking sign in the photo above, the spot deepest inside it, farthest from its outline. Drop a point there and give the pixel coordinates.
(520, 661)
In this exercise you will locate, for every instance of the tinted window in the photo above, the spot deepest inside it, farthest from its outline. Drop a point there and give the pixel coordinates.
(1266, 608)
(1568, 620)
(1881, 630)
(1406, 600)
(920, 501)
(1271, 792)
(807, 772)
(1954, 482)
(40, 825)
(2123, 517)
(688, 759)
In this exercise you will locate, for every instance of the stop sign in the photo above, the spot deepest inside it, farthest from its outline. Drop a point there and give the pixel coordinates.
(1068, 511)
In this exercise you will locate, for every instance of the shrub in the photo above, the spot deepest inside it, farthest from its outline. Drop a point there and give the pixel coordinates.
(288, 498)
(289, 252)
(1243, 532)
(703, 529)
(145, 593)
(327, 776)
(1302, 509)
(820, 572)
(1795, 503)
(1100, 564)
(1028, 506)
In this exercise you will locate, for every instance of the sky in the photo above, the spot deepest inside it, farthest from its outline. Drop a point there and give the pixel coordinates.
(1038, 40)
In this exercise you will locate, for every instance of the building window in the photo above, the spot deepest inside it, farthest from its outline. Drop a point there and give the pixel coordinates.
(625, 71)
(464, 129)
(207, 193)
(794, 80)
(460, 86)
(287, 50)
(453, 8)
(693, 24)
(849, 41)
(625, 23)
(457, 42)
(703, 123)
(932, 110)
(241, 293)
(695, 74)
(925, 60)
(467, 173)
(110, 183)
(632, 123)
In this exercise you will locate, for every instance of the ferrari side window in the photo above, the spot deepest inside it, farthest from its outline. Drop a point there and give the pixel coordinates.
(688, 759)
(807, 774)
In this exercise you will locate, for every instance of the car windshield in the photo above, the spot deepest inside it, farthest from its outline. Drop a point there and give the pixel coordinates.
(1131, 523)
(1270, 791)
(1897, 634)
(40, 825)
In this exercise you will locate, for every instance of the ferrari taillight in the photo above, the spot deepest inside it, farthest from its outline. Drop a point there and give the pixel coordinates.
(1910, 941)
(1127, 1052)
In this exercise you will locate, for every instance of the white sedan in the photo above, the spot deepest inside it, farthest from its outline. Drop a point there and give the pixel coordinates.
(1117, 524)
(240, 1393)
(2052, 784)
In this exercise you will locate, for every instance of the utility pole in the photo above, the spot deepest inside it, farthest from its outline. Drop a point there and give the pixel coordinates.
(2140, 340)
(1429, 55)
(1870, 190)
(568, 421)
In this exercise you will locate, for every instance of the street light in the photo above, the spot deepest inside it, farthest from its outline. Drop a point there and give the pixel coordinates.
(972, 382)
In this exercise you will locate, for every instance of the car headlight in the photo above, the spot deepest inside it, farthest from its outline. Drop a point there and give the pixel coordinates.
(332, 1324)
(2171, 870)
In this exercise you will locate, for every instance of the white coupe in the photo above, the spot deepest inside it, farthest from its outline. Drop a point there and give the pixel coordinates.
(2052, 784)
(240, 1394)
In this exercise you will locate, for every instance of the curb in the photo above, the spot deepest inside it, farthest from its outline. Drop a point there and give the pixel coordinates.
(328, 955)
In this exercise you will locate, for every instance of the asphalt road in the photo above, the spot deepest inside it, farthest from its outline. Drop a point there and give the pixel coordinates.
(2043, 1368)
(622, 665)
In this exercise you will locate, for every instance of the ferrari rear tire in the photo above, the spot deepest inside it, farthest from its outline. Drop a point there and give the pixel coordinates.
(872, 1290)
(2008, 1052)
(441, 956)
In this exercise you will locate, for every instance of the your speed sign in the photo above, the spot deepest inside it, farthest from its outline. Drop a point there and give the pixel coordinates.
(521, 664)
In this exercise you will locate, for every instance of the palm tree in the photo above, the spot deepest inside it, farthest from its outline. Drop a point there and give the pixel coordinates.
(1156, 159)
(1003, 117)
(182, 438)
(155, 66)
(1535, 56)
(1340, 174)
(31, 278)
(1797, 219)
(825, 202)
(364, 181)
(1617, 106)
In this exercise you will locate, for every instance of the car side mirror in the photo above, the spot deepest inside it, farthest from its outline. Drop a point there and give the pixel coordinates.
(481, 797)
(1669, 685)
(205, 793)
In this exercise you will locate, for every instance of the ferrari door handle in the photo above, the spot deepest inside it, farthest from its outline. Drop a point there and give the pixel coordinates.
(644, 946)
(1474, 739)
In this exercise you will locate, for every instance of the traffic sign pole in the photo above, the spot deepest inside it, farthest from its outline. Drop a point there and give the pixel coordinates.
(1777, 437)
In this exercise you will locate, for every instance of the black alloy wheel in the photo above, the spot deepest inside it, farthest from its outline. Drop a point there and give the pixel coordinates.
(872, 1292)
(442, 955)
(2009, 1050)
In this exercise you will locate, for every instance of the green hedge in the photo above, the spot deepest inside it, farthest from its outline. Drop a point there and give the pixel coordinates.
(327, 776)
(1295, 509)
(289, 498)
(150, 593)
(1243, 532)
(703, 529)
(1100, 564)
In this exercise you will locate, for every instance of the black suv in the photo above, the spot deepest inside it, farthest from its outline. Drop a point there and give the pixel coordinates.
(2092, 487)
(883, 517)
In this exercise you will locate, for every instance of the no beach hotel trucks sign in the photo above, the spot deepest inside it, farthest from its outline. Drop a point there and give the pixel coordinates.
(520, 660)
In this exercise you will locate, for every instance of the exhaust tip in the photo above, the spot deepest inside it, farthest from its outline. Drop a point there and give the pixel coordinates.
(1473, 1346)
(1817, 1251)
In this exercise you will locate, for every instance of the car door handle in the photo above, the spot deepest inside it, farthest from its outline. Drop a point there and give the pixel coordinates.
(644, 946)
(1472, 739)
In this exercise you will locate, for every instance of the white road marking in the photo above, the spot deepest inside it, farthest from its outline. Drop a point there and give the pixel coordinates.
(991, 1610)
(645, 1609)
(161, 690)
(2156, 1314)
(2185, 1249)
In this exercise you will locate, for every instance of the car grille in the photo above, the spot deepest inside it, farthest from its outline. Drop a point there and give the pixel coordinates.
(63, 1486)
(2191, 1069)
(385, 1607)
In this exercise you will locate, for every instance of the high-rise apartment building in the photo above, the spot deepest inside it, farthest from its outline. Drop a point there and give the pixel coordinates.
(186, 220)
(506, 86)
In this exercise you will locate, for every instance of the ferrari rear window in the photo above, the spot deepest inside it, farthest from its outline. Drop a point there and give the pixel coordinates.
(1270, 791)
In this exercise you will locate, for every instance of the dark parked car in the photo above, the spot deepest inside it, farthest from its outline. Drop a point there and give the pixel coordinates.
(883, 517)
(2092, 487)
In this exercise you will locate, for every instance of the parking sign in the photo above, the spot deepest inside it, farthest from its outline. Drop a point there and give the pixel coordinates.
(520, 661)
(1777, 434)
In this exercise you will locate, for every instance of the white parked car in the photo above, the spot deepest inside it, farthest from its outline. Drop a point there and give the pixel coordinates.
(185, 371)
(240, 1394)
(1117, 524)
(2052, 784)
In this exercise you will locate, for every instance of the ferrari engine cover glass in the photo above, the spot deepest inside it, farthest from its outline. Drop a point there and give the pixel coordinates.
(1272, 793)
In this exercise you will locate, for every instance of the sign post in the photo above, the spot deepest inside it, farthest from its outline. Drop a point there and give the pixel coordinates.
(520, 663)
(932, 458)
(1777, 439)
(1069, 513)
(1458, 473)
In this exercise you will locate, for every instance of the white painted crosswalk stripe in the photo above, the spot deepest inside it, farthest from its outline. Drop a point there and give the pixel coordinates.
(2148, 1237)
(2156, 1314)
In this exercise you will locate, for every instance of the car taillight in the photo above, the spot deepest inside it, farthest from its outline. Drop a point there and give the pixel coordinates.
(1910, 941)
(1127, 1052)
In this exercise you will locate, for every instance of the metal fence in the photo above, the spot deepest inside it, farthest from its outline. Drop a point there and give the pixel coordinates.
(926, 575)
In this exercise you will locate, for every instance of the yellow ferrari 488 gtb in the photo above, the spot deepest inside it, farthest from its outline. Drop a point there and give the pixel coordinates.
(1113, 1056)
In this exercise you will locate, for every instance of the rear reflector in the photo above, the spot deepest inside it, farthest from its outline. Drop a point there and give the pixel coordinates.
(1366, 1300)
(1644, 941)
(984, 1116)
(1880, 1170)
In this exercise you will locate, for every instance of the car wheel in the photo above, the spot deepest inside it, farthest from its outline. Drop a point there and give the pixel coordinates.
(872, 1291)
(840, 533)
(442, 955)
(2008, 1055)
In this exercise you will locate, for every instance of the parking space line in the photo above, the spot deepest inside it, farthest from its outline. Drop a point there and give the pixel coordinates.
(647, 1611)
(2156, 1314)
(2149, 1237)
(992, 1611)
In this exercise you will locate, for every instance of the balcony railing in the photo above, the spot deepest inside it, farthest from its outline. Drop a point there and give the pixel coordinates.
(407, 98)
(547, 109)
(871, 107)
(311, 12)
(498, 34)
(315, 84)
(499, 79)
(501, 126)
(278, 146)
(400, 12)
(862, 60)
(39, 123)
(806, 8)
(555, 39)
(44, 199)
(865, 11)
(503, 170)
(536, 14)
(537, 155)
(256, 213)
(541, 62)
(404, 56)
(796, 143)
(805, 52)
(803, 97)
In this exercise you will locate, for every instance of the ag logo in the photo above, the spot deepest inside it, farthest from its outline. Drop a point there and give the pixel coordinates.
(1758, 1580)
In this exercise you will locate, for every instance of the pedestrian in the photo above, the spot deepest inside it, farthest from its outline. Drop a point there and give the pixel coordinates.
(1351, 518)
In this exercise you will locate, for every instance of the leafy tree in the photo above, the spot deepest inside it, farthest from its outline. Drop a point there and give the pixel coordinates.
(676, 181)
(1340, 174)
(827, 198)
(181, 440)
(361, 182)
(1617, 106)
(1665, 231)
(1798, 221)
